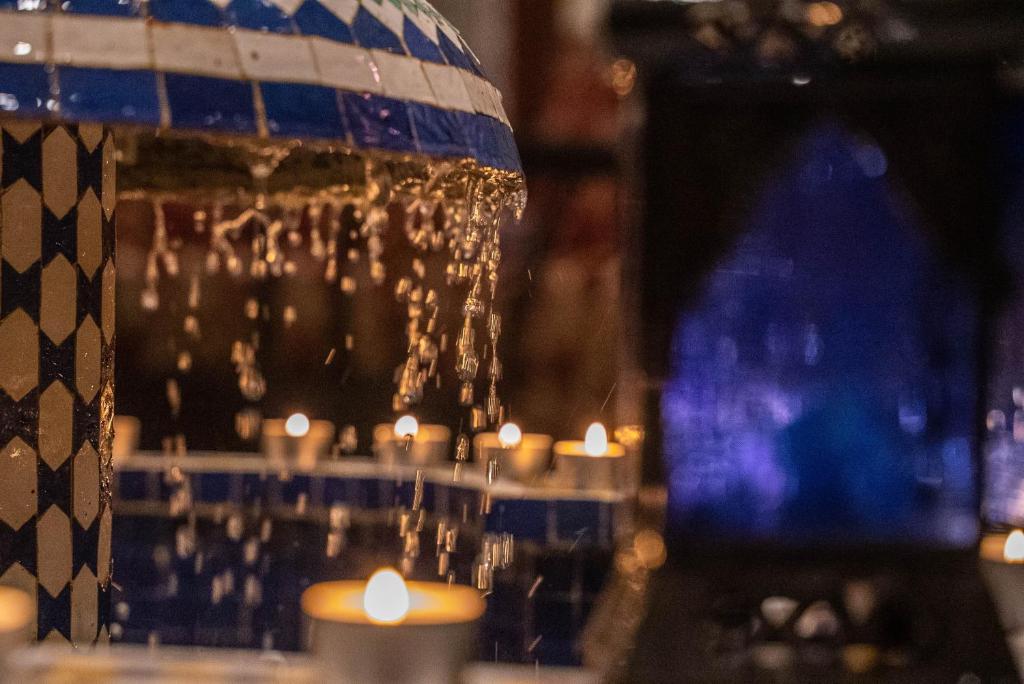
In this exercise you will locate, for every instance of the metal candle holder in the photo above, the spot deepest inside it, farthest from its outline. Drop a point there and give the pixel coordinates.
(430, 646)
(527, 462)
(576, 469)
(429, 446)
(126, 438)
(300, 453)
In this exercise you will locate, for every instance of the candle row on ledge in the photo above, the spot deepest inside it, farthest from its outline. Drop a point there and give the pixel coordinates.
(593, 463)
(509, 454)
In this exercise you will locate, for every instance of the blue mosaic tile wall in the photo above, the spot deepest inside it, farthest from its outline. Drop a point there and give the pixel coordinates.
(229, 568)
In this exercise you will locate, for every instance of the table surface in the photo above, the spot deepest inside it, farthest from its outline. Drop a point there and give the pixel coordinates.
(215, 666)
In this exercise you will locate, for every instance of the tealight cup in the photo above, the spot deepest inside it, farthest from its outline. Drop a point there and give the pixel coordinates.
(527, 461)
(430, 643)
(126, 438)
(296, 442)
(576, 469)
(1002, 566)
(425, 445)
(17, 615)
(594, 463)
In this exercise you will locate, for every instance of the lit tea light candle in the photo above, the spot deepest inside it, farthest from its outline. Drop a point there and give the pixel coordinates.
(126, 439)
(296, 442)
(524, 457)
(1002, 566)
(390, 630)
(1003, 548)
(408, 442)
(594, 463)
(17, 615)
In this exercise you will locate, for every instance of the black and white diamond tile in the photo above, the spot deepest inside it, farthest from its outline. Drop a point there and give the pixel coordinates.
(56, 371)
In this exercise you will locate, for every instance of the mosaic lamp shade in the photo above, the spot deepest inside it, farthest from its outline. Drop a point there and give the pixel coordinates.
(194, 90)
(388, 75)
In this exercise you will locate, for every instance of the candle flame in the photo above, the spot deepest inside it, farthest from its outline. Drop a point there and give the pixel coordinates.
(510, 436)
(407, 426)
(297, 425)
(596, 441)
(386, 599)
(1013, 551)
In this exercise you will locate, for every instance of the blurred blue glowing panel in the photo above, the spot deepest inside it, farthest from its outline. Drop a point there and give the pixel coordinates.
(823, 385)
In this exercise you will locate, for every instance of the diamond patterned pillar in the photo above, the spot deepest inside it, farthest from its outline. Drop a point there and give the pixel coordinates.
(56, 372)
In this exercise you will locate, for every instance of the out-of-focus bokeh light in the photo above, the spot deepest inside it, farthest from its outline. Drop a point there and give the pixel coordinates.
(623, 76)
(824, 14)
(650, 548)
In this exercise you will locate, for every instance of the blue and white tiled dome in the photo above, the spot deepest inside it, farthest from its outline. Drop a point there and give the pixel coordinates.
(388, 75)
